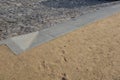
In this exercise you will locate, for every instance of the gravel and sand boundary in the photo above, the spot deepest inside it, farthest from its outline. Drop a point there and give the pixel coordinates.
(22, 43)
(25, 16)
(90, 53)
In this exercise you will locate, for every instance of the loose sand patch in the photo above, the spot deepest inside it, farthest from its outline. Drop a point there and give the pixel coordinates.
(90, 53)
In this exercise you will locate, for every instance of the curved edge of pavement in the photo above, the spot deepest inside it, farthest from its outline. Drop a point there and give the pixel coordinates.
(22, 43)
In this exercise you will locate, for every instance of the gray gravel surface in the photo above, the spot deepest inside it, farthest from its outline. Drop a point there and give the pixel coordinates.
(24, 16)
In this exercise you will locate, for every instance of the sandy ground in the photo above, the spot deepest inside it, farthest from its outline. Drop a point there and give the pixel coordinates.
(90, 53)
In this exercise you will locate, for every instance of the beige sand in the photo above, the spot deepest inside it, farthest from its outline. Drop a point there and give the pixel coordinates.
(90, 53)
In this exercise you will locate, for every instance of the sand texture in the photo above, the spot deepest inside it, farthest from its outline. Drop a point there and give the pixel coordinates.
(90, 53)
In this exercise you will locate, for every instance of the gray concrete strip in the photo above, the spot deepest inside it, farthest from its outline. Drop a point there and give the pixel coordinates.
(1, 43)
(21, 43)
(13, 46)
(24, 42)
(61, 29)
(100, 14)
(39, 39)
